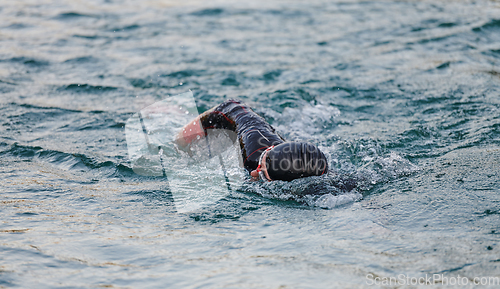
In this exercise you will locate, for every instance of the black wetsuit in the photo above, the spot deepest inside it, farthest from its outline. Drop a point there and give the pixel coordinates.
(254, 133)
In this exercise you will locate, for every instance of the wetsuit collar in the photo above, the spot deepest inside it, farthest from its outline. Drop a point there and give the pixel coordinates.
(261, 173)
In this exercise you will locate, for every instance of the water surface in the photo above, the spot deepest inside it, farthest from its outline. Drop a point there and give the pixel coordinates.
(403, 96)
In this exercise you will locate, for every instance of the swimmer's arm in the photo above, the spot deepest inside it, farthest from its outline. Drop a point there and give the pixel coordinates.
(214, 118)
(193, 130)
(190, 132)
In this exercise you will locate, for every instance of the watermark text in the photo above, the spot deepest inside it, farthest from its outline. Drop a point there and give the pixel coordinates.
(433, 279)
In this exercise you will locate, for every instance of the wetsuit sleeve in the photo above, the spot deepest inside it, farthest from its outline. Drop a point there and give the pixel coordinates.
(253, 132)
(214, 118)
(218, 118)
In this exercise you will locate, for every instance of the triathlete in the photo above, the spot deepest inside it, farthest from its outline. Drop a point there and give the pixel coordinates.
(266, 155)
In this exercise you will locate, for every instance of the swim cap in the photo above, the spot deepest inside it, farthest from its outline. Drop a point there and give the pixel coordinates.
(293, 160)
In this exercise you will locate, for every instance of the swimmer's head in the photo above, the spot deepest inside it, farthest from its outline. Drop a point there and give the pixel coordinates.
(293, 160)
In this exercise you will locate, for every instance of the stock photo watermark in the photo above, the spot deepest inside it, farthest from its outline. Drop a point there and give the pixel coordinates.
(433, 279)
(213, 165)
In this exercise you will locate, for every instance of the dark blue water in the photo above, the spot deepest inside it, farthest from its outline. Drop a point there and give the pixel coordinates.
(403, 96)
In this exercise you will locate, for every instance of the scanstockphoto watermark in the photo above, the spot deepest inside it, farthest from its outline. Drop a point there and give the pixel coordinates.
(433, 279)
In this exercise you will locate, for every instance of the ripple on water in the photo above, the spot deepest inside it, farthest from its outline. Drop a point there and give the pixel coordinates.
(71, 16)
(87, 88)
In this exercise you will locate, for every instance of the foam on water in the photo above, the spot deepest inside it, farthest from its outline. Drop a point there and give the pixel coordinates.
(340, 186)
(329, 201)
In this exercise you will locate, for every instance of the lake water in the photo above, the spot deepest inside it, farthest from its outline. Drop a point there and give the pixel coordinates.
(403, 96)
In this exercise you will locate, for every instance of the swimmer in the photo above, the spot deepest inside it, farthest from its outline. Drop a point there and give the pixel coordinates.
(266, 155)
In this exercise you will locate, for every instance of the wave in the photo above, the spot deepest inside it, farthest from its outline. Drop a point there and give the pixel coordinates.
(65, 160)
(87, 88)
